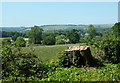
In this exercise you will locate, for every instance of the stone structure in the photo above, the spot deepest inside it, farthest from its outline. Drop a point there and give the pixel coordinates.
(79, 55)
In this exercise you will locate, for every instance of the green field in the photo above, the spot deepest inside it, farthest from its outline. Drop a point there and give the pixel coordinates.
(46, 53)
(5, 38)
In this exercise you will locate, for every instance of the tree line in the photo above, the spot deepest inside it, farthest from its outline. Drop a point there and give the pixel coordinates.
(37, 36)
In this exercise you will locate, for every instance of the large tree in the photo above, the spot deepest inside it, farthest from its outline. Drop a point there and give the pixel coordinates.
(91, 30)
(49, 40)
(35, 35)
(73, 36)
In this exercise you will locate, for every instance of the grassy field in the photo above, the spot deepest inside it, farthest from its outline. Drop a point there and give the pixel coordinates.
(10, 38)
(46, 53)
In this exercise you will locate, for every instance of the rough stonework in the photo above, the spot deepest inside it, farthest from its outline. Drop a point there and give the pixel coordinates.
(79, 55)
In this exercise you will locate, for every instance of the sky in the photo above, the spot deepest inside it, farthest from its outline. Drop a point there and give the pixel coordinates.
(59, 0)
(15, 14)
(119, 11)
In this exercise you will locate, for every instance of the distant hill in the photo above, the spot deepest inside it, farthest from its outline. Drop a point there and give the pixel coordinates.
(18, 29)
(56, 27)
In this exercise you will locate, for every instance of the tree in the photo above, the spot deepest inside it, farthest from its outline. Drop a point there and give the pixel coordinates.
(35, 35)
(110, 44)
(73, 36)
(91, 30)
(49, 40)
(116, 30)
(20, 42)
(61, 39)
(14, 37)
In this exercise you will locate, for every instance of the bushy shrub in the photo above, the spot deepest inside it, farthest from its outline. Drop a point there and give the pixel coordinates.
(110, 44)
(20, 42)
(6, 42)
(61, 39)
(111, 48)
(63, 60)
(17, 66)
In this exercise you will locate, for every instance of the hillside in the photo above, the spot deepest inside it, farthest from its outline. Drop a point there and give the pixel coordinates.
(55, 27)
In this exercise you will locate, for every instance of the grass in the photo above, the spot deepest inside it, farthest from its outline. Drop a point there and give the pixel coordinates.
(46, 53)
(5, 38)
(10, 38)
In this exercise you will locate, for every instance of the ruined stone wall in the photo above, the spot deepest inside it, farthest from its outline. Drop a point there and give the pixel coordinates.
(80, 57)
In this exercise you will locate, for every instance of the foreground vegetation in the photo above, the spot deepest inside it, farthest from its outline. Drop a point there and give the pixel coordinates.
(110, 72)
(38, 59)
(28, 67)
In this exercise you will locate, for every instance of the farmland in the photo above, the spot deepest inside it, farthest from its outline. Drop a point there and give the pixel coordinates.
(46, 53)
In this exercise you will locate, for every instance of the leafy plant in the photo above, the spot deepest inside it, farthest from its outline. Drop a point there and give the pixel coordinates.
(18, 66)
(20, 42)
(110, 72)
(63, 60)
